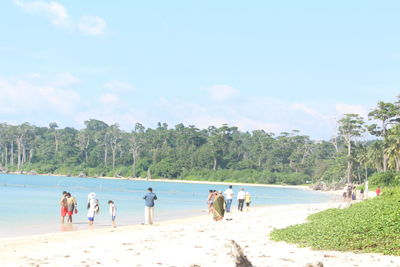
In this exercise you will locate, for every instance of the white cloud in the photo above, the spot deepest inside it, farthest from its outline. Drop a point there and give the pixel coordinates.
(27, 97)
(342, 108)
(59, 17)
(54, 11)
(110, 99)
(222, 92)
(92, 25)
(119, 87)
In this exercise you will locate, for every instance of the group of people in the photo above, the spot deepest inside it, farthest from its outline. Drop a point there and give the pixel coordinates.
(69, 204)
(219, 203)
(350, 193)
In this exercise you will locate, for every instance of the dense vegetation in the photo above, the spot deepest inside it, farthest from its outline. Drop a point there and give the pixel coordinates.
(368, 226)
(223, 153)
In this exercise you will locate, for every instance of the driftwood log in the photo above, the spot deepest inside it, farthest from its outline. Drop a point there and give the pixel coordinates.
(238, 255)
(316, 264)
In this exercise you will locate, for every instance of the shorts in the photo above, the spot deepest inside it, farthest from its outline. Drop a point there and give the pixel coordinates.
(70, 213)
(64, 211)
(113, 218)
(248, 204)
(91, 219)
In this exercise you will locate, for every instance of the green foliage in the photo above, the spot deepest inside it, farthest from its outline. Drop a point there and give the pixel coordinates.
(216, 153)
(389, 178)
(333, 170)
(368, 226)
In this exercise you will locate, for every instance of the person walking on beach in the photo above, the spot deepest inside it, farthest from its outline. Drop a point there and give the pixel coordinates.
(349, 190)
(228, 198)
(71, 204)
(218, 207)
(93, 208)
(240, 197)
(378, 191)
(149, 206)
(63, 206)
(361, 194)
(354, 193)
(113, 212)
(247, 200)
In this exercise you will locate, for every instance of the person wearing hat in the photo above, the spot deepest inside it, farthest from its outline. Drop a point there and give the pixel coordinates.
(149, 206)
(93, 207)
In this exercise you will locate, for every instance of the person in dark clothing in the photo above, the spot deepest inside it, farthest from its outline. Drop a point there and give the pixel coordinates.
(149, 206)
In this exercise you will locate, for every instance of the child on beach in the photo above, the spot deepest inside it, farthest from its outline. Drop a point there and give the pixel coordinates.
(247, 199)
(113, 212)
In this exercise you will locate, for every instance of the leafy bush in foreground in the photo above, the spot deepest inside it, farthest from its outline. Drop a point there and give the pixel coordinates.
(369, 226)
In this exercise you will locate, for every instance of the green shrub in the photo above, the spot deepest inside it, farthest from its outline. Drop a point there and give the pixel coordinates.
(389, 178)
(368, 226)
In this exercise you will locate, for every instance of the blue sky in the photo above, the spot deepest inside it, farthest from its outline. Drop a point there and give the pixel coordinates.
(272, 65)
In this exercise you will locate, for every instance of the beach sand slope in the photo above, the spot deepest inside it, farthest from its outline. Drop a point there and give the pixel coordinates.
(188, 242)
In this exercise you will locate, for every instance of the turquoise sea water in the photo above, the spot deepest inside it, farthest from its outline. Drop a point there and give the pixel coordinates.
(30, 204)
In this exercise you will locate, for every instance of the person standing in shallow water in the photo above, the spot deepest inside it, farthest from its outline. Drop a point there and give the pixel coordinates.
(113, 212)
(72, 205)
(93, 207)
(63, 206)
(149, 206)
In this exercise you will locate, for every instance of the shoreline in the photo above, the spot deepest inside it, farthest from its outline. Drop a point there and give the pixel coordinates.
(26, 229)
(194, 241)
(176, 181)
(161, 221)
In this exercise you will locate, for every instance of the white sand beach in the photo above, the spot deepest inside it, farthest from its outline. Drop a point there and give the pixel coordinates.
(198, 241)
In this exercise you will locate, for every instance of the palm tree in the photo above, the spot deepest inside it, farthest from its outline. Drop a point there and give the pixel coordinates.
(392, 149)
(362, 159)
(375, 155)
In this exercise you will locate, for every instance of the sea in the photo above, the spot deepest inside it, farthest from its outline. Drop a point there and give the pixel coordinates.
(29, 204)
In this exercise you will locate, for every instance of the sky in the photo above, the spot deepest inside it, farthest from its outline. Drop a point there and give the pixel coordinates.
(272, 65)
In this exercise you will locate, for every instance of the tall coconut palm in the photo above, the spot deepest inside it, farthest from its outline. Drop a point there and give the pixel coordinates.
(362, 159)
(392, 148)
(375, 155)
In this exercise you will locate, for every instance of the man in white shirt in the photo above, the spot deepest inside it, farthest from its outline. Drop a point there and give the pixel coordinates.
(240, 197)
(228, 198)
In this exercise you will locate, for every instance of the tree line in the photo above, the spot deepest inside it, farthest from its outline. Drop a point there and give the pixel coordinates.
(216, 153)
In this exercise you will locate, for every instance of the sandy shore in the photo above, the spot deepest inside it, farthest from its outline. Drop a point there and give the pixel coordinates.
(195, 241)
